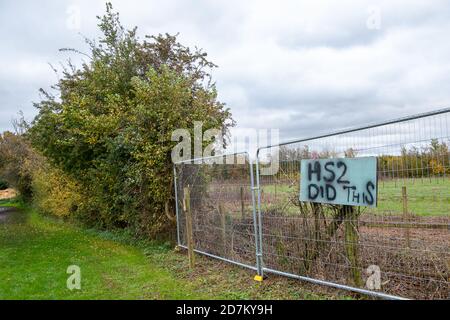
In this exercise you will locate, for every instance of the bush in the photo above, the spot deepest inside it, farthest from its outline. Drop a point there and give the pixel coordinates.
(17, 162)
(109, 130)
(3, 184)
(54, 192)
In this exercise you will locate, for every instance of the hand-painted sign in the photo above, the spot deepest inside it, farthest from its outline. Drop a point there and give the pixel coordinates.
(348, 181)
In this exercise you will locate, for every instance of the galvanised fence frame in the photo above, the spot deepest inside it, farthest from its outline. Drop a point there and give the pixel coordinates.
(223, 208)
(406, 239)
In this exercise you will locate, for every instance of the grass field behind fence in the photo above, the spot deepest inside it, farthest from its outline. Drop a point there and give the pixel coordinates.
(426, 197)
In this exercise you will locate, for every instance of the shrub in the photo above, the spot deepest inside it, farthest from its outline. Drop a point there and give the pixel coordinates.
(3, 184)
(17, 162)
(54, 192)
(109, 130)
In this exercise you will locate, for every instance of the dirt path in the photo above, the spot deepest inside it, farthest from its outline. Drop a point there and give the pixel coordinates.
(8, 214)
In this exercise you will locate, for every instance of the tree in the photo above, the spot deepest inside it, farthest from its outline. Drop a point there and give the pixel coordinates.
(4, 184)
(17, 162)
(110, 128)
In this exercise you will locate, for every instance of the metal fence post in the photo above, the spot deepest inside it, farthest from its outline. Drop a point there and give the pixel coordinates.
(258, 219)
(175, 184)
(189, 230)
(255, 223)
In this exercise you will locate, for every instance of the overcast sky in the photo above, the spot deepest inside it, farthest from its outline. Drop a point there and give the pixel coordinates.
(301, 66)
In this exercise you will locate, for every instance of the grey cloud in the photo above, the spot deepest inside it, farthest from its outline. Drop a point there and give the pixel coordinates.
(302, 67)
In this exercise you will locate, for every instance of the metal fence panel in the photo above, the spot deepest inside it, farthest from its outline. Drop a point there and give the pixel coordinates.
(404, 241)
(222, 206)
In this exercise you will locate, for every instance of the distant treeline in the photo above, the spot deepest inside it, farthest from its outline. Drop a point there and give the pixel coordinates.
(430, 160)
(413, 162)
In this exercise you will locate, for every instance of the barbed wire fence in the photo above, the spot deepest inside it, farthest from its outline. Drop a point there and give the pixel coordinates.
(251, 215)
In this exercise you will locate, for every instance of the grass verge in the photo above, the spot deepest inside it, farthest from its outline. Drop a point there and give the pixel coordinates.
(35, 252)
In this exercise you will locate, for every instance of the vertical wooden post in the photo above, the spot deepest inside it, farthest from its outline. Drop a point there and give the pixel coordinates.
(232, 239)
(406, 217)
(275, 191)
(223, 227)
(351, 243)
(242, 204)
(189, 231)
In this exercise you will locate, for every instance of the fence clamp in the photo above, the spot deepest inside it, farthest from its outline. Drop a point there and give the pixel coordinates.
(258, 278)
(255, 188)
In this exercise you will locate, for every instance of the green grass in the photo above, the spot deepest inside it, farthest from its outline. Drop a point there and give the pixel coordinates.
(35, 252)
(426, 197)
(15, 203)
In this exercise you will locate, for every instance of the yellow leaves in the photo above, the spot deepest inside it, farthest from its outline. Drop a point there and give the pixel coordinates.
(54, 192)
(436, 167)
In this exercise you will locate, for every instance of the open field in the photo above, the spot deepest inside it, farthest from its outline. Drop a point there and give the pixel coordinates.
(35, 252)
(426, 197)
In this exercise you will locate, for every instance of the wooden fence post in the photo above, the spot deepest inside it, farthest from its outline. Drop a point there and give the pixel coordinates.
(242, 204)
(189, 231)
(406, 217)
(351, 243)
(223, 227)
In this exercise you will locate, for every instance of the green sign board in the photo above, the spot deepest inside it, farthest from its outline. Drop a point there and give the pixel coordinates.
(346, 181)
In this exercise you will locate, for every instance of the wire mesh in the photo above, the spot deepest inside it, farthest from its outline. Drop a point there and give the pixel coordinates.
(222, 207)
(406, 237)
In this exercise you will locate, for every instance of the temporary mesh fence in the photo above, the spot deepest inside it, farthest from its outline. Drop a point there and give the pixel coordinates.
(251, 215)
(401, 247)
(221, 205)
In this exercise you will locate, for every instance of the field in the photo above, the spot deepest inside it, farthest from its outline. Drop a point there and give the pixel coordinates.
(35, 252)
(426, 197)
